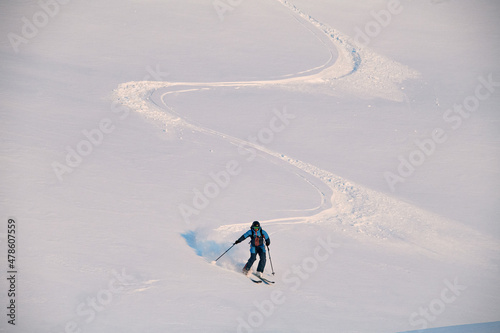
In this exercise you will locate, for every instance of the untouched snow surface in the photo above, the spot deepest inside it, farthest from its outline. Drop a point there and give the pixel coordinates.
(140, 139)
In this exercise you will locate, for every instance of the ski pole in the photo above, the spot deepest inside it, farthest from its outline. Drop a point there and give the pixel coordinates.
(213, 262)
(270, 260)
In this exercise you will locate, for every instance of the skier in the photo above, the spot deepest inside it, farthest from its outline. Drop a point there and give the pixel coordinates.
(258, 238)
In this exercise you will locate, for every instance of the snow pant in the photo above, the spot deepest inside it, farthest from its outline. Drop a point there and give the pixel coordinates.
(262, 259)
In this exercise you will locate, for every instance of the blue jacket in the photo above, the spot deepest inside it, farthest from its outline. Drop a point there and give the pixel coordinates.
(259, 233)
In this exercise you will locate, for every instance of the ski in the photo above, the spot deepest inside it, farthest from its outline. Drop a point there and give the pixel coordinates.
(266, 281)
(255, 281)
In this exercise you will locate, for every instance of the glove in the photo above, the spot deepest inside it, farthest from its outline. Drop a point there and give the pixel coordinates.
(268, 241)
(237, 241)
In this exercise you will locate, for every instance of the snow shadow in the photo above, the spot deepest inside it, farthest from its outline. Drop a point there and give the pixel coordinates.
(211, 250)
(203, 248)
(493, 327)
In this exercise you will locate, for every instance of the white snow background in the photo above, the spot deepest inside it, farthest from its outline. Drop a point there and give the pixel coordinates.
(140, 139)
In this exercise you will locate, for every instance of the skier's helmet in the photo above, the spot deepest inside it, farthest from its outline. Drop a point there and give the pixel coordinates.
(256, 225)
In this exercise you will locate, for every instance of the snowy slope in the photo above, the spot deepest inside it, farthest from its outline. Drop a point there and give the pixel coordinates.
(193, 123)
(484, 328)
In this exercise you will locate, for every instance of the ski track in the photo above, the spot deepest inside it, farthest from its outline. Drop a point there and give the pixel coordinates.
(348, 207)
